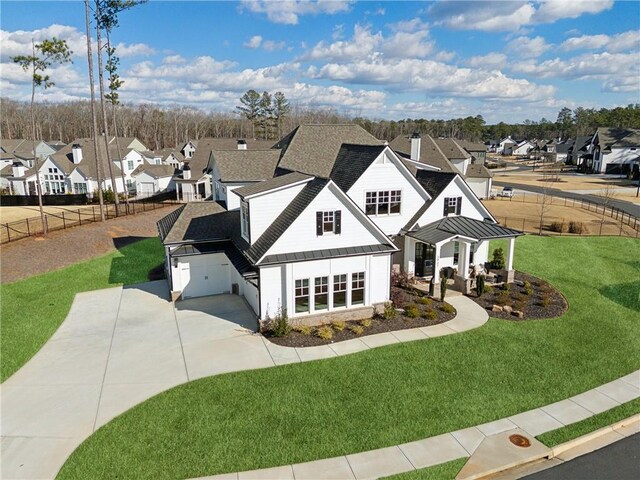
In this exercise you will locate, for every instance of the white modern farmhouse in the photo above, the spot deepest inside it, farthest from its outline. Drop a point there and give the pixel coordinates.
(322, 236)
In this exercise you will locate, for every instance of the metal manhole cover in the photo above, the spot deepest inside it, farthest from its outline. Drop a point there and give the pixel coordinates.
(519, 441)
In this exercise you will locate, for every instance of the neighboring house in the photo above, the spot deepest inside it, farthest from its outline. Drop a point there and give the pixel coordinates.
(320, 238)
(23, 149)
(152, 179)
(580, 153)
(521, 149)
(232, 169)
(478, 151)
(563, 149)
(189, 149)
(505, 145)
(615, 150)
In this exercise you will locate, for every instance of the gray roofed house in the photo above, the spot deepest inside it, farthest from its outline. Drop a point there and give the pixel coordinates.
(451, 149)
(313, 149)
(352, 161)
(476, 170)
(245, 165)
(272, 184)
(430, 152)
(155, 171)
(609, 138)
(450, 227)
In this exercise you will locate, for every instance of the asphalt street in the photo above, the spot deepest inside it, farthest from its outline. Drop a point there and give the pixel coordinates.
(618, 461)
(628, 207)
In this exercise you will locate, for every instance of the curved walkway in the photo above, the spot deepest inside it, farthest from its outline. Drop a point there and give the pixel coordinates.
(450, 446)
(121, 346)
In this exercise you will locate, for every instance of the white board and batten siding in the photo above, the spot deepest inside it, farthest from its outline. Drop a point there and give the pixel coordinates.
(201, 275)
(385, 175)
(471, 206)
(264, 209)
(480, 186)
(302, 234)
(278, 282)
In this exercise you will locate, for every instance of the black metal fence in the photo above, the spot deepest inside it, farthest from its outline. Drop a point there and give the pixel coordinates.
(32, 200)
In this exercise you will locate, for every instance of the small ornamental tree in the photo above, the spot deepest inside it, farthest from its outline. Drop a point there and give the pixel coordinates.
(43, 55)
(480, 285)
(498, 259)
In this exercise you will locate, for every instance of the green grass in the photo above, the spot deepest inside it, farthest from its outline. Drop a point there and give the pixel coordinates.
(444, 471)
(395, 394)
(591, 424)
(33, 309)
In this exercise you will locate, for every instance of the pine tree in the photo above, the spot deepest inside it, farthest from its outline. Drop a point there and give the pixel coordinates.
(250, 108)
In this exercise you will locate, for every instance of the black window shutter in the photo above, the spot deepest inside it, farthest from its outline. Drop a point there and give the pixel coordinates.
(446, 207)
(338, 220)
(459, 206)
(318, 223)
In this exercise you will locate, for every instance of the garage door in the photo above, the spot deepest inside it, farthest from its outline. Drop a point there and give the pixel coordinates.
(208, 278)
(147, 188)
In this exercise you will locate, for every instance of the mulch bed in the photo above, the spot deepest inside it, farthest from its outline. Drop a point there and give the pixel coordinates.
(378, 324)
(544, 301)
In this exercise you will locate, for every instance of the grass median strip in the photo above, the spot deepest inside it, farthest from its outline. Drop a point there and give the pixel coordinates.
(444, 471)
(33, 309)
(591, 424)
(395, 394)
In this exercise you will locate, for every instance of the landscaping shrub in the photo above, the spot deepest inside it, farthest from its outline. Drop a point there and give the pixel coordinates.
(357, 329)
(425, 301)
(443, 289)
(447, 308)
(279, 325)
(398, 297)
(488, 288)
(412, 311)
(528, 289)
(365, 322)
(401, 280)
(338, 325)
(430, 314)
(324, 332)
(389, 311)
(558, 226)
(506, 287)
(480, 285)
(303, 329)
(498, 261)
(545, 301)
(577, 227)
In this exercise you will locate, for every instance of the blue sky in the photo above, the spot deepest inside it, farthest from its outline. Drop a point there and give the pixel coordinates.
(506, 60)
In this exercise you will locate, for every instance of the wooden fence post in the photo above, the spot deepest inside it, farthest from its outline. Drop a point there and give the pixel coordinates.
(28, 229)
(8, 233)
(80, 218)
(64, 223)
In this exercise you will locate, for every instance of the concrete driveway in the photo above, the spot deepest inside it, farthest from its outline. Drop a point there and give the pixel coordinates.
(116, 348)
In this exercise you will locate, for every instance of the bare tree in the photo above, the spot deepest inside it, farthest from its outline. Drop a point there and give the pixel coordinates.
(94, 118)
(49, 52)
(545, 199)
(607, 195)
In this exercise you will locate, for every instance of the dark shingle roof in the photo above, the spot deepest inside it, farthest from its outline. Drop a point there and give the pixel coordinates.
(234, 255)
(472, 146)
(434, 183)
(165, 224)
(156, 171)
(463, 226)
(313, 149)
(271, 184)
(476, 170)
(327, 253)
(246, 165)
(430, 153)
(286, 218)
(351, 163)
(196, 223)
(618, 137)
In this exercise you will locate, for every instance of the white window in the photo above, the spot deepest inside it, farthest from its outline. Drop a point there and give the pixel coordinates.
(327, 222)
(321, 293)
(386, 202)
(357, 288)
(130, 164)
(80, 187)
(339, 291)
(302, 295)
(244, 219)
(452, 205)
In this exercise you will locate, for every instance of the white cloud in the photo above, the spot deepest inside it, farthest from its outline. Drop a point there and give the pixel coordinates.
(272, 46)
(366, 44)
(490, 60)
(510, 16)
(552, 10)
(134, 50)
(617, 71)
(409, 25)
(254, 42)
(526, 47)
(616, 43)
(19, 42)
(289, 11)
(435, 78)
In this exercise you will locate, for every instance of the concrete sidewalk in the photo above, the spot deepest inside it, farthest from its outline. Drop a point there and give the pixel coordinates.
(450, 446)
(121, 346)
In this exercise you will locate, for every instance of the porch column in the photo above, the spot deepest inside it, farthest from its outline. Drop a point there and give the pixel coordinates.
(463, 259)
(177, 191)
(436, 265)
(510, 271)
(409, 255)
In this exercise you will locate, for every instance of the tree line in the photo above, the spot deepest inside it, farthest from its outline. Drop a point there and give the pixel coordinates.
(171, 126)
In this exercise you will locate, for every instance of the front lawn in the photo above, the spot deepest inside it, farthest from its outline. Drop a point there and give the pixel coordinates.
(33, 309)
(395, 394)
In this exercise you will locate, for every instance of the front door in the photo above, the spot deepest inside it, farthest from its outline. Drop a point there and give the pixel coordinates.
(425, 259)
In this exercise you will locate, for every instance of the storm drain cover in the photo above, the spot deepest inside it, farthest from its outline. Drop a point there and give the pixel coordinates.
(519, 441)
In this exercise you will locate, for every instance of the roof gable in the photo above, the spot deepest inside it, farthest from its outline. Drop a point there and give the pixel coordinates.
(245, 165)
(276, 183)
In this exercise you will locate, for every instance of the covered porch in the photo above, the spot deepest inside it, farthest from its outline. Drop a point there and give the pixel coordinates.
(457, 247)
